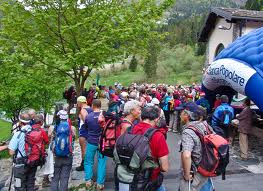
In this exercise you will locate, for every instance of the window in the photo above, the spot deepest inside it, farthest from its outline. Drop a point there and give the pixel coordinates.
(219, 48)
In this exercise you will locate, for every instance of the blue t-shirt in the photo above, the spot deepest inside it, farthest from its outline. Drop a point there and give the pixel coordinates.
(18, 141)
(94, 129)
(216, 119)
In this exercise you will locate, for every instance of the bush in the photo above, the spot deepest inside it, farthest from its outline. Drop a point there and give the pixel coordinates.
(133, 64)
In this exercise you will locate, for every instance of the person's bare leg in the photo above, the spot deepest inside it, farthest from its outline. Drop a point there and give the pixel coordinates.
(82, 143)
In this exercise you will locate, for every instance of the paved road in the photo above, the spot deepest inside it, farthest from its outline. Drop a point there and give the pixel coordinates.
(238, 177)
(241, 176)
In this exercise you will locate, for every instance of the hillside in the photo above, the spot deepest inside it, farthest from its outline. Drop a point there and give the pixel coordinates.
(181, 58)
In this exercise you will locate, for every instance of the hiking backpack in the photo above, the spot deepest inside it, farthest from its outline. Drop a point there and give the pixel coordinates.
(225, 118)
(171, 105)
(111, 130)
(134, 161)
(62, 145)
(215, 153)
(34, 147)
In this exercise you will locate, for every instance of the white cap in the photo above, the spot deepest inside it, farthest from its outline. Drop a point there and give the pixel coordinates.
(63, 115)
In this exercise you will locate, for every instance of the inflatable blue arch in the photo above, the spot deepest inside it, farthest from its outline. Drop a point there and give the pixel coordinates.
(238, 68)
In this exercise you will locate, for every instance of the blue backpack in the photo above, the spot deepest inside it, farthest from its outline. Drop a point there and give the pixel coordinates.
(226, 117)
(63, 140)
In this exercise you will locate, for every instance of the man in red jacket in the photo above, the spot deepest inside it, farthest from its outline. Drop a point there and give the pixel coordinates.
(159, 148)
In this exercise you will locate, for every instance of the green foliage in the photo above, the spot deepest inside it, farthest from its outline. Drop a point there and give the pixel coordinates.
(178, 65)
(133, 64)
(73, 37)
(5, 129)
(254, 5)
(181, 63)
(150, 65)
(187, 18)
(23, 86)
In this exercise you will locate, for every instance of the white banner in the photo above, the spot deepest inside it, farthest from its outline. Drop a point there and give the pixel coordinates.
(228, 72)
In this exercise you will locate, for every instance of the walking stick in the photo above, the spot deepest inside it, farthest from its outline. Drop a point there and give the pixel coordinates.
(189, 185)
(12, 173)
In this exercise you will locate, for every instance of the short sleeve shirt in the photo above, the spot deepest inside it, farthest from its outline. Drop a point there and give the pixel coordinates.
(18, 141)
(158, 145)
(191, 142)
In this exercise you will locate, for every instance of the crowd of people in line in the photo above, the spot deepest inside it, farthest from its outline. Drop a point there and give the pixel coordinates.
(140, 111)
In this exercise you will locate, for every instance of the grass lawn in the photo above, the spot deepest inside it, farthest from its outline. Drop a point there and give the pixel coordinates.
(5, 128)
(127, 77)
(5, 134)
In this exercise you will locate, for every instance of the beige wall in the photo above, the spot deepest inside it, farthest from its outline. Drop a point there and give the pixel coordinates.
(218, 36)
(225, 37)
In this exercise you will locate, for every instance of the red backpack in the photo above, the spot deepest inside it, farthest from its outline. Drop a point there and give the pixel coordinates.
(34, 147)
(215, 153)
(111, 131)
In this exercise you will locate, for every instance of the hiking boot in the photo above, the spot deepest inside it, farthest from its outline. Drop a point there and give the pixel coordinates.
(100, 187)
(81, 167)
(46, 182)
(89, 185)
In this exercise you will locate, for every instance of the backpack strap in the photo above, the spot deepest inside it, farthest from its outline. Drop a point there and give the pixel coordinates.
(149, 133)
(129, 129)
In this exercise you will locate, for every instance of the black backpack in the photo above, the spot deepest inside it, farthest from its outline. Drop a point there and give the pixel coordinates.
(134, 162)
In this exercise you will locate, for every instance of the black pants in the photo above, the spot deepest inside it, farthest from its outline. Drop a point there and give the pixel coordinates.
(167, 117)
(61, 174)
(24, 177)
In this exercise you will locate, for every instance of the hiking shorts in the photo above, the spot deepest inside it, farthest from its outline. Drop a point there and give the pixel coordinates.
(83, 132)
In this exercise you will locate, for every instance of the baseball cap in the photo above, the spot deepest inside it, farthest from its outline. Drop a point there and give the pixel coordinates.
(63, 115)
(82, 99)
(194, 111)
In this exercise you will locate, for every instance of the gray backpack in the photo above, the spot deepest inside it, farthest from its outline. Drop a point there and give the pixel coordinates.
(134, 162)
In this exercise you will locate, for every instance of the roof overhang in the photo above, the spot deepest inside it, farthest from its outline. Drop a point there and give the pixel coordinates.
(216, 13)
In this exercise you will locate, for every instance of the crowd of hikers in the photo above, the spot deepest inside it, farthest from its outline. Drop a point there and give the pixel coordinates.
(132, 131)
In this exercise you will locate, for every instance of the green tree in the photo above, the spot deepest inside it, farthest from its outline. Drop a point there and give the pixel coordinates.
(254, 5)
(150, 65)
(133, 64)
(73, 37)
(23, 86)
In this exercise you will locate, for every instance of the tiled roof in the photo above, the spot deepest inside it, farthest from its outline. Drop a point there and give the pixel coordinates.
(231, 15)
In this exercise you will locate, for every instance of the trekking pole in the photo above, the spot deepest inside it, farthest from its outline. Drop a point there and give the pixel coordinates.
(189, 185)
(12, 173)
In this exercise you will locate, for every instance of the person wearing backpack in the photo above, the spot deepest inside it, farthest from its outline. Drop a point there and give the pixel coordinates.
(201, 150)
(94, 133)
(85, 109)
(145, 173)
(62, 148)
(222, 117)
(132, 113)
(166, 108)
(27, 148)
